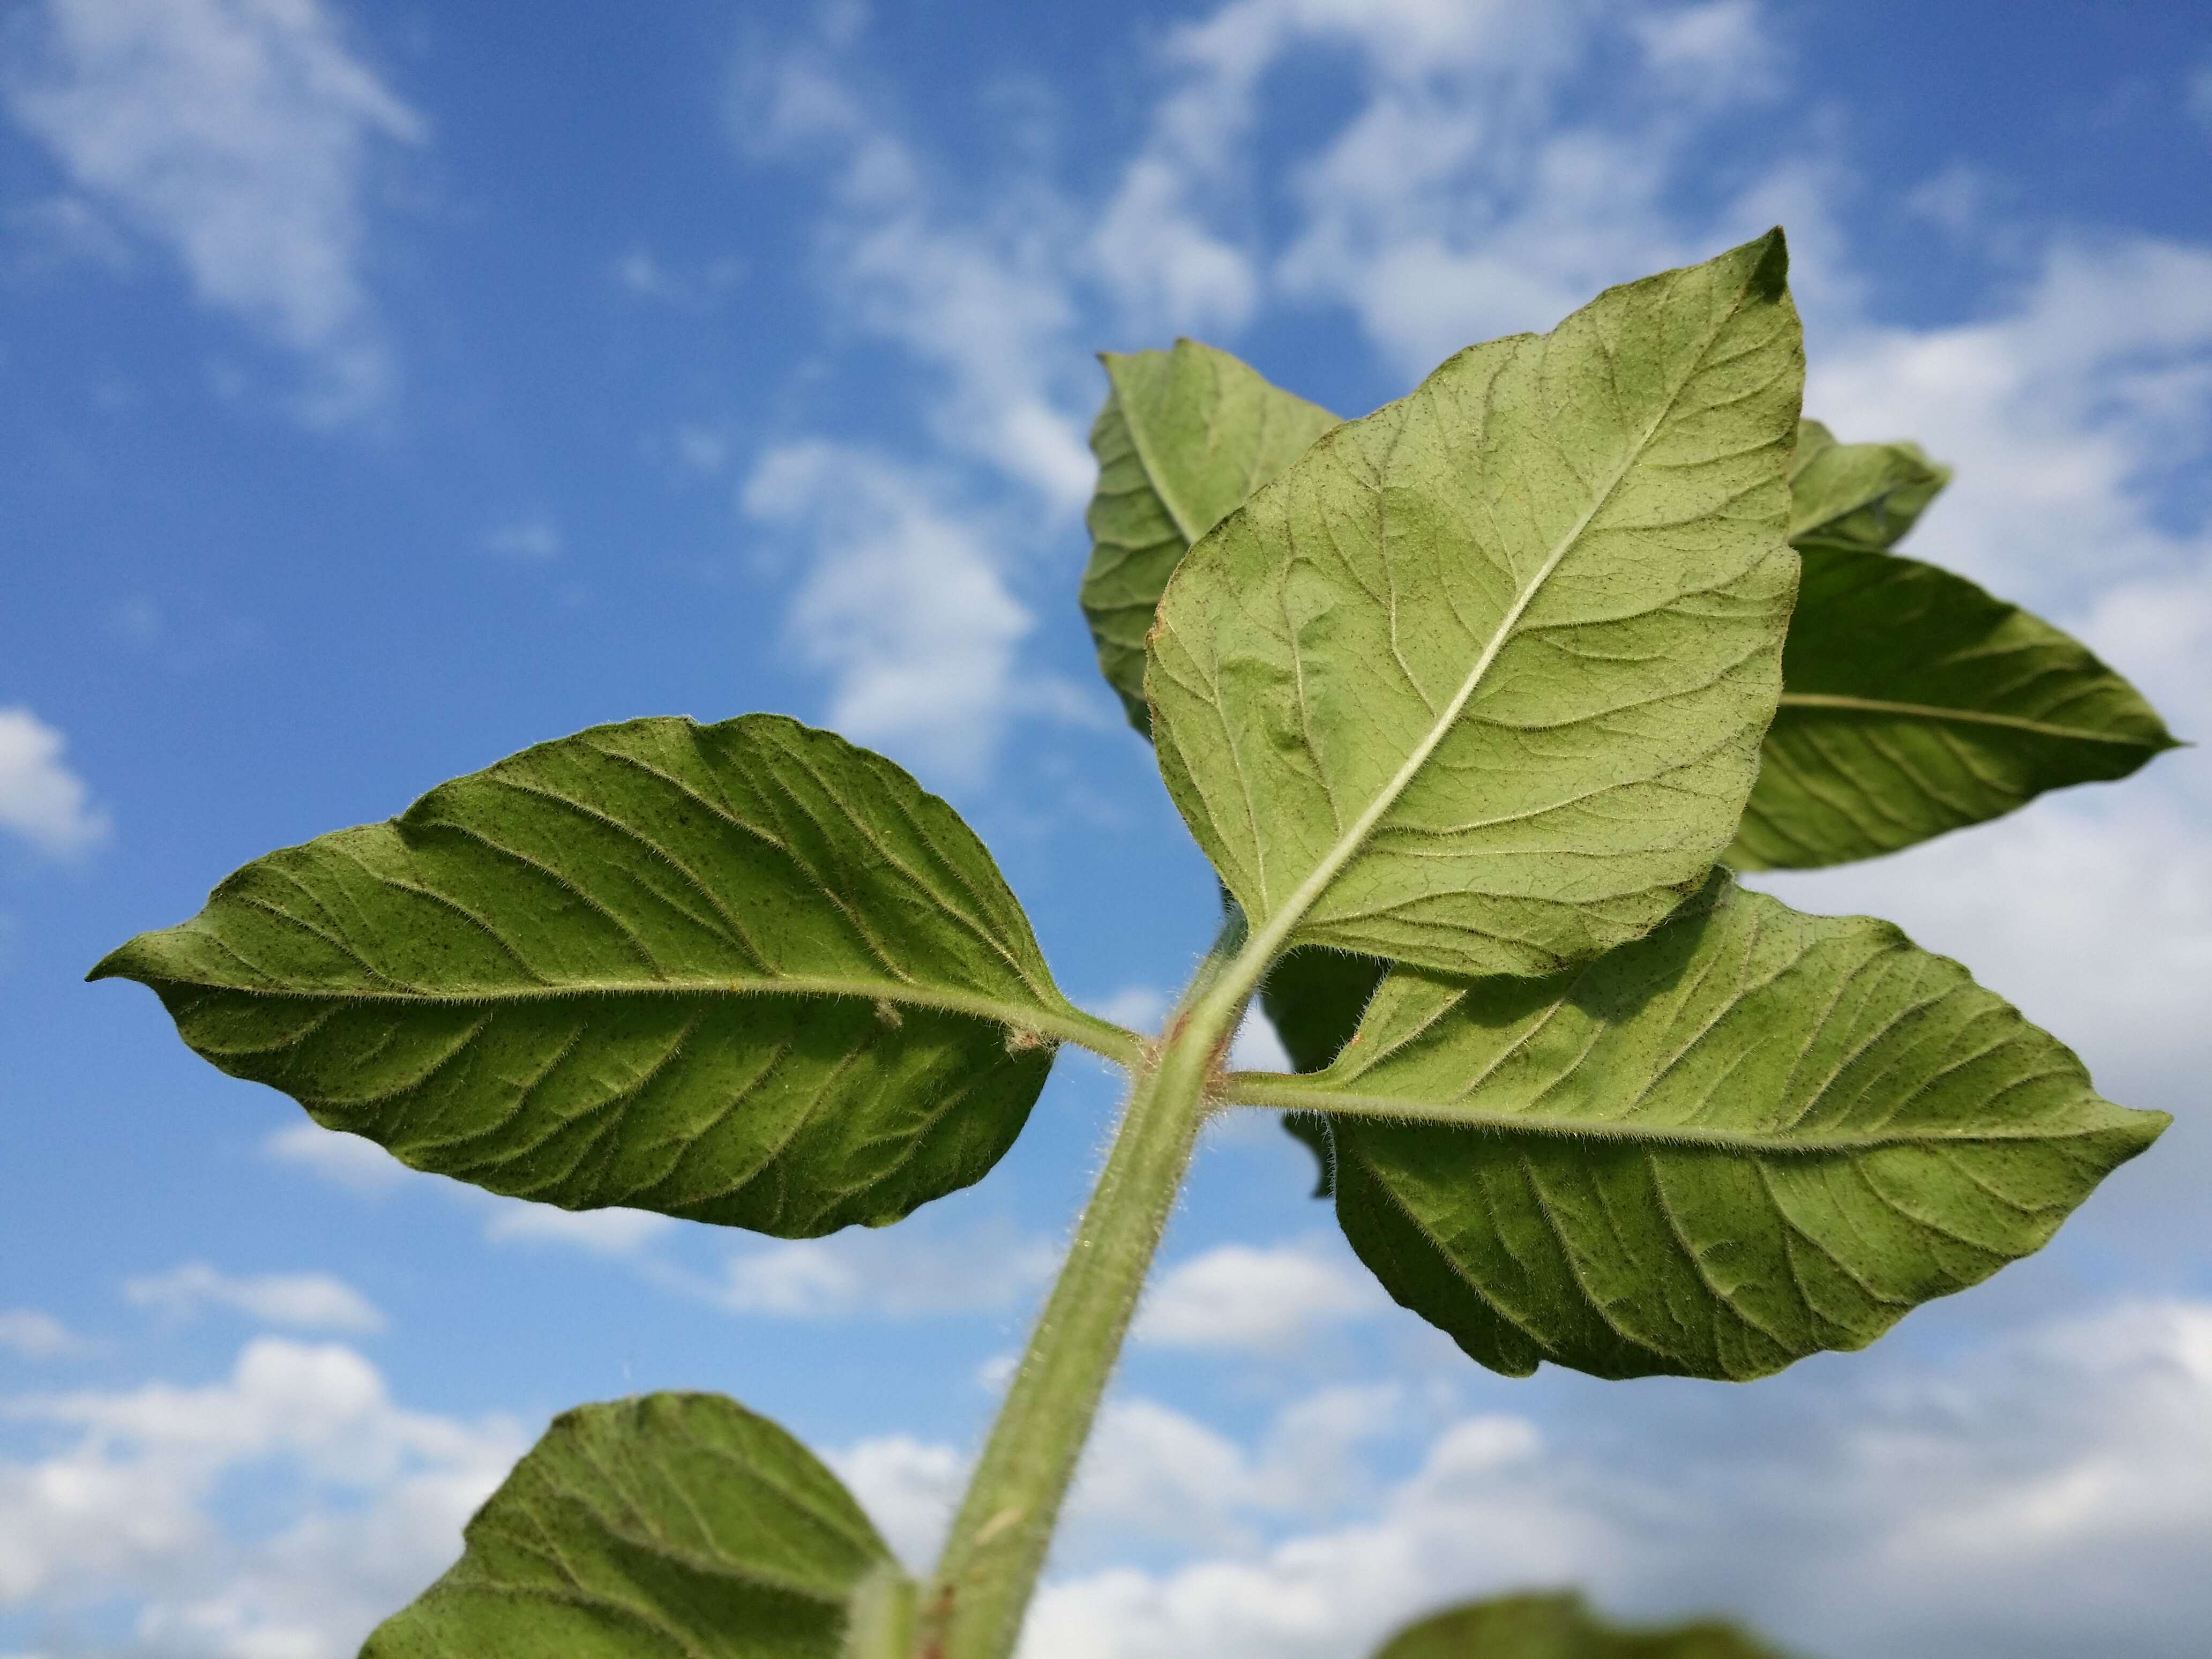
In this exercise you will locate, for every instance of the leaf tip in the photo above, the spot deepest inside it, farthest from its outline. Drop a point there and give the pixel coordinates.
(121, 962)
(2148, 1125)
(1769, 271)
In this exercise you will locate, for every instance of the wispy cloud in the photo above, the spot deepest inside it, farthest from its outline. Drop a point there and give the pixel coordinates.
(308, 1302)
(903, 605)
(915, 1273)
(241, 137)
(534, 539)
(30, 1334)
(42, 799)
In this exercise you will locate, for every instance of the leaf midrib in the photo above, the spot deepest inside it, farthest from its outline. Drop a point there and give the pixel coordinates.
(1926, 711)
(1069, 1024)
(1267, 1090)
(1146, 458)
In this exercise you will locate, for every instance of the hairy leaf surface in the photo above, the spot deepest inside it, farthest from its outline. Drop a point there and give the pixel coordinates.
(674, 1524)
(1480, 681)
(1750, 1136)
(1184, 439)
(1560, 1627)
(745, 972)
(1914, 702)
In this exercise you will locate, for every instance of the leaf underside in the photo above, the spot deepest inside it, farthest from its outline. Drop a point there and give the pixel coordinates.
(1914, 702)
(1560, 1626)
(1480, 681)
(1753, 1135)
(1982, 707)
(1314, 999)
(676, 1524)
(1184, 439)
(744, 973)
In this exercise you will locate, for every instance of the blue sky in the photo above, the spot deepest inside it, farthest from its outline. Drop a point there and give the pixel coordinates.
(384, 389)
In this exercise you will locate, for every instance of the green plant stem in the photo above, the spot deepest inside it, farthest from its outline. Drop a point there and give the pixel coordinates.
(997, 1546)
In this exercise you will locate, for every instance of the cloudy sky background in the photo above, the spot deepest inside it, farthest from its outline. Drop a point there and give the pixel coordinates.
(384, 389)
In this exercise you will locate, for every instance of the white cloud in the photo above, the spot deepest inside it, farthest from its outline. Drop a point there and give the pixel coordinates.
(372, 1497)
(1717, 51)
(41, 798)
(1257, 1048)
(30, 1334)
(978, 290)
(1150, 1473)
(1263, 1299)
(915, 607)
(238, 136)
(532, 539)
(644, 275)
(909, 1488)
(2063, 411)
(875, 1272)
(2095, 916)
(604, 1233)
(1456, 203)
(308, 1302)
(2047, 1496)
(1140, 1007)
(903, 605)
(351, 1161)
(1167, 268)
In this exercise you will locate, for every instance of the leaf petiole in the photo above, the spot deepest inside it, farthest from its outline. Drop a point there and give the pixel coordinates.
(973, 1605)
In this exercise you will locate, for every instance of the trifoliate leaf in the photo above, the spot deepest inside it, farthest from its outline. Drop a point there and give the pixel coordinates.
(676, 1526)
(1480, 681)
(745, 972)
(1750, 1136)
(1185, 437)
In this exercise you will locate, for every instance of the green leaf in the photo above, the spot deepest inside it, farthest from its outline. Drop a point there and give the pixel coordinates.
(1859, 497)
(677, 1524)
(1914, 702)
(1753, 1135)
(1560, 1627)
(1314, 999)
(1185, 437)
(1479, 683)
(745, 972)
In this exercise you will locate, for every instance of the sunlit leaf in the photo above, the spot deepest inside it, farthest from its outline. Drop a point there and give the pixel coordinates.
(676, 1526)
(745, 972)
(1480, 681)
(1561, 1627)
(1752, 1135)
(1185, 436)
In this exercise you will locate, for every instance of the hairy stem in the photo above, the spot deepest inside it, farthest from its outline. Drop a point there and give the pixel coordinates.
(975, 1604)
